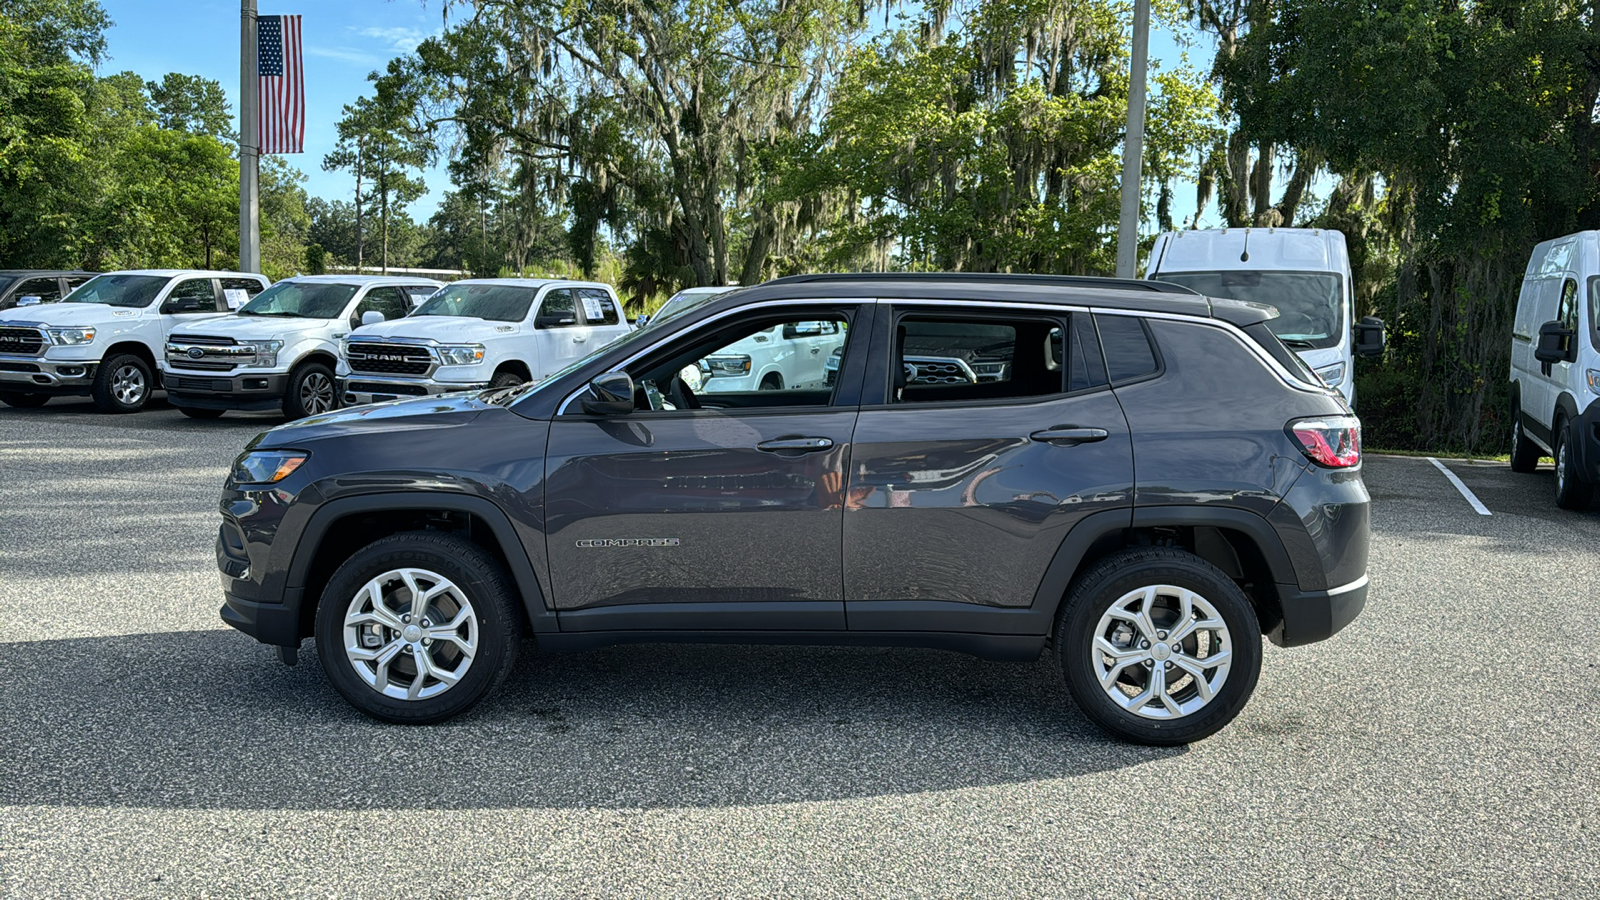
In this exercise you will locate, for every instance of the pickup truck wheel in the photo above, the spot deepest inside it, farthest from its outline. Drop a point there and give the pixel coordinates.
(773, 382)
(1524, 452)
(1158, 646)
(310, 392)
(23, 401)
(196, 412)
(417, 627)
(505, 380)
(1572, 492)
(122, 384)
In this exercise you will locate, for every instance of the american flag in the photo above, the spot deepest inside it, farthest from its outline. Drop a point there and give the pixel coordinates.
(282, 98)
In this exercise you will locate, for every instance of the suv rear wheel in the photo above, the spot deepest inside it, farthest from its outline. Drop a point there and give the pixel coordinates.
(417, 627)
(1158, 646)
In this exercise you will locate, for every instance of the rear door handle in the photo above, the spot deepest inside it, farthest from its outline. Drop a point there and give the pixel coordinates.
(803, 445)
(1070, 435)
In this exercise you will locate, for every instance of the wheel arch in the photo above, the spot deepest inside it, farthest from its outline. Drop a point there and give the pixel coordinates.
(341, 527)
(517, 367)
(137, 348)
(1240, 543)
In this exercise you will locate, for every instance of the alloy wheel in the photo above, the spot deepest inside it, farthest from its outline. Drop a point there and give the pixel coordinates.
(1161, 652)
(128, 385)
(316, 393)
(410, 634)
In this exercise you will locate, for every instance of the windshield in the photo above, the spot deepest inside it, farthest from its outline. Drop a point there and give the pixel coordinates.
(299, 299)
(1310, 304)
(499, 302)
(132, 291)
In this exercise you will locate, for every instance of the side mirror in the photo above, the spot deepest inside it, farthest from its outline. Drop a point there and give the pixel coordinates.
(371, 317)
(610, 394)
(29, 301)
(1370, 337)
(1555, 344)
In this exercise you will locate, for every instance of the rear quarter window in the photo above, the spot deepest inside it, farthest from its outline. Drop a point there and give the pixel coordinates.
(1263, 336)
(1128, 352)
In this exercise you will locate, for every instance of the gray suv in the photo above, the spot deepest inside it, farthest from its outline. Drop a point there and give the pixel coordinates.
(1137, 479)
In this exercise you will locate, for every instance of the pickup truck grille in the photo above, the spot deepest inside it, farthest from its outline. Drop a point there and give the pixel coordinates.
(940, 370)
(28, 341)
(206, 353)
(388, 359)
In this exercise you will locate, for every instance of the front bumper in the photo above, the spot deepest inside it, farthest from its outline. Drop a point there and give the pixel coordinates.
(1311, 616)
(210, 390)
(38, 375)
(359, 389)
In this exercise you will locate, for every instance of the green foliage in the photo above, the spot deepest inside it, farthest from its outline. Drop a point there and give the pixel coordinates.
(193, 104)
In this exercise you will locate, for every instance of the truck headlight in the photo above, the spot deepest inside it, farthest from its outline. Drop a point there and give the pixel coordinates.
(267, 466)
(1333, 375)
(460, 354)
(266, 353)
(728, 365)
(66, 337)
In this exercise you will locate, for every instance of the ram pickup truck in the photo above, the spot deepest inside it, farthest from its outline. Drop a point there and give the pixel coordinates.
(280, 349)
(104, 338)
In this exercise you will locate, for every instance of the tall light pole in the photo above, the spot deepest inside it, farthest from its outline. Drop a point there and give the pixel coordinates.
(1133, 148)
(250, 142)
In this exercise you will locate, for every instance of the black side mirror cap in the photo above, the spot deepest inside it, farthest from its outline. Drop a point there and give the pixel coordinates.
(610, 394)
(1371, 337)
(1555, 344)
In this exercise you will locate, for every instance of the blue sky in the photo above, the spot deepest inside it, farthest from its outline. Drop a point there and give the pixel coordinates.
(344, 41)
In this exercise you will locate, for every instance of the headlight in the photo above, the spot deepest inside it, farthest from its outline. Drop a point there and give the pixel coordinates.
(266, 353)
(1333, 375)
(1594, 381)
(728, 365)
(267, 466)
(66, 337)
(460, 354)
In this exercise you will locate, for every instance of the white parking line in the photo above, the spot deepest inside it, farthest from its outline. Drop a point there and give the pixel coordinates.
(1465, 491)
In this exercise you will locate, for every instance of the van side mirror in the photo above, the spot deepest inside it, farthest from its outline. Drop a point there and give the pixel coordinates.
(1555, 344)
(1371, 337)
(610, 394)
(371, 317)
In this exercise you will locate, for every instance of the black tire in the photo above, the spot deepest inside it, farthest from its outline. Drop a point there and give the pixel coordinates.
(1524, 452)
(1572, 491)
(773, 382)
(311, 391)
(478, 579)
(199, 412)
(1113, 580)
(23, 401)
(122, 384)
(505, 380)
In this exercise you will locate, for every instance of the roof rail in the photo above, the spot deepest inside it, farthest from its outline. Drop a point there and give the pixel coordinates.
(1090, 281)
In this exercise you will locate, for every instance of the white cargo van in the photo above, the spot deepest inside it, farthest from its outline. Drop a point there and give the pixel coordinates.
(1304, 272)
(1555, 366)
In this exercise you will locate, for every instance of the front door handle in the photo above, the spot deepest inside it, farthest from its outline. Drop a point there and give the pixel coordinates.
(802, 444)
(579, 338)
(1070, 435)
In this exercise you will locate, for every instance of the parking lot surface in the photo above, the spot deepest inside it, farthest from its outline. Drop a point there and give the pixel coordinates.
(1447, 743)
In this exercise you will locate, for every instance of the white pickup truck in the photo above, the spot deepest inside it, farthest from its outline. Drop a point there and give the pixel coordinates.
(479, 333)
(280, 349)
(791, 356)
(104, 338)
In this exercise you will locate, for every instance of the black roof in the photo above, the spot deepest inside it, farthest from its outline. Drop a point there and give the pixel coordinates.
(1076, 290)
(18, 273)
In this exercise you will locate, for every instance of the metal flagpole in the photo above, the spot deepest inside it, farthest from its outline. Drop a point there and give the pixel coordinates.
(250, 142)
(1133, 148)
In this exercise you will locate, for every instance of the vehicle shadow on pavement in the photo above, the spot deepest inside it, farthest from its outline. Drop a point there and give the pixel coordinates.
(207, 719)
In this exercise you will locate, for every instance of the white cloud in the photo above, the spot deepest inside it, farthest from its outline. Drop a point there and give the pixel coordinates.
(398, 39)
(347, 54)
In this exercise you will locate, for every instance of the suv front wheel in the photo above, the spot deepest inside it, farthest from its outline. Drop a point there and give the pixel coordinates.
(1158, 646)
(417, 627)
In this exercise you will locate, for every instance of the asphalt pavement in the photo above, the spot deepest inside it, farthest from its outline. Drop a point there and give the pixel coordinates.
(1447, 743)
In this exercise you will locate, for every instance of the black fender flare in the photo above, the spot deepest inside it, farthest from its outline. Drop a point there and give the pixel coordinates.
(1068, 560)
(540, 616)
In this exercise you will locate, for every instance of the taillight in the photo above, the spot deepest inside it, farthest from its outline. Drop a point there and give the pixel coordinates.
(1332, 441)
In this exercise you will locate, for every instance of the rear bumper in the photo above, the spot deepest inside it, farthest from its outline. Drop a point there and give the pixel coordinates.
(359, 389)
(250, 391)
(1311, 616)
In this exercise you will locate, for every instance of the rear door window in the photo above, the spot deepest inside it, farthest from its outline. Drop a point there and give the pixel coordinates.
(599, 308)
(939, 358)
(1128, 353)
